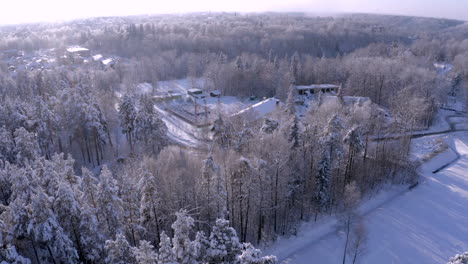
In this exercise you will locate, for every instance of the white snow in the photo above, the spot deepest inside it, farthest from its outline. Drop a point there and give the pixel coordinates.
(180, 131)
(76, 49)
(260, 109)
(144, 88)
(425, 225)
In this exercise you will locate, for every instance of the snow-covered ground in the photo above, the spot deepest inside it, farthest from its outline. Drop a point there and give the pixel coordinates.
(428, 224)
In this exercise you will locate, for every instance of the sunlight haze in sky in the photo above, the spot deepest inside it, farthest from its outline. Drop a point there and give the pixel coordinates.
(23, 11)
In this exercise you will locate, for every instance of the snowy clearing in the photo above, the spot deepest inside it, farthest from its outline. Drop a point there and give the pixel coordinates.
(425, 225)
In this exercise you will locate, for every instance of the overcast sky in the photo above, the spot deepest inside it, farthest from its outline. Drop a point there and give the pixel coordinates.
(21, 11)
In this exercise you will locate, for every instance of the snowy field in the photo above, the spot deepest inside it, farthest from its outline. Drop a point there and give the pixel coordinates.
(428, 224)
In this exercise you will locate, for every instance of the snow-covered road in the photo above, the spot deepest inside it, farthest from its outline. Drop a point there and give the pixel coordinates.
(426, 225)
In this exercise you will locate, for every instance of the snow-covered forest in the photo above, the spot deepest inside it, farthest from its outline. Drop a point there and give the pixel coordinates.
(93, 170)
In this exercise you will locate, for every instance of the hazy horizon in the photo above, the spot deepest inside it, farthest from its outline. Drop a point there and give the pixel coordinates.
(55, 10)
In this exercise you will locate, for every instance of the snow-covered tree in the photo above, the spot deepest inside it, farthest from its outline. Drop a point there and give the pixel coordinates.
(212, 191)
(222, 133)
(291, 100)
(151, 213)
(45, 229)
(224, 243)
(332, 137)
(201, 245)
(322, 182)
(119, 251)
(251, 255)
(109, 203)
(127, 117)
(7, 146)
(89, 187)
(459, 259)
(91, 238)
(293, 132)
(355, 145)
(12, 256)
(144, 253)
(130, 214)
(68, 213)
(182, 245)
(166, 254)
(47, 125)
(269, 126)
(149, 127)
(26, 145)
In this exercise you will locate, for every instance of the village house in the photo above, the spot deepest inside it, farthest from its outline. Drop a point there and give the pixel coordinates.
(316, 88)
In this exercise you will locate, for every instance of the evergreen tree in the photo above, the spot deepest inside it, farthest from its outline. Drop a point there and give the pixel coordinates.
(127, 117)
(212, 191)
(222, 133)
(11, 256)
(91, 238)
(149, 127)
(224, 244)
(119, 251)
(45, 229)
(26, 145)
(322, 183)
(145, 254)
(151, 213)
(201, 245)
(7, 147)
(166, 255)
(182, 246)
(251, 255)
(269, 126)
(109, 203)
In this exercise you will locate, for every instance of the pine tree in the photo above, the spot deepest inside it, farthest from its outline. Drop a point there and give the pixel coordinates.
(322, 191)
(47, 124)
(293, 136)
(109, 203)
(269, 126)
(127, 117)
(355, 145)
(151, 213)
(6, 147)
(11, 256)
(295, 67)
(332, 137)
(45, 229)
(459, 259)
(149, 127)
(182, 246)
(91, 238)
(166, 255)
(201, 245)
(291, 100)
(145, 254)
(222, 133)
(119, 251)
(68, 214)
(224, 244)
(89, 187)
(213, 191)
(26, 145)
(251, 255)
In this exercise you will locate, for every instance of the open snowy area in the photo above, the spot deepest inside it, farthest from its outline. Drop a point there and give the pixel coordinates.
(424, 225)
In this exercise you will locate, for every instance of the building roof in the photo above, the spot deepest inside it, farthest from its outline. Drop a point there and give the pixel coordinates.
(194, 90)
(316, 86)
(97, 57)
(108, 61)
(76, 49)
(262, 108)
